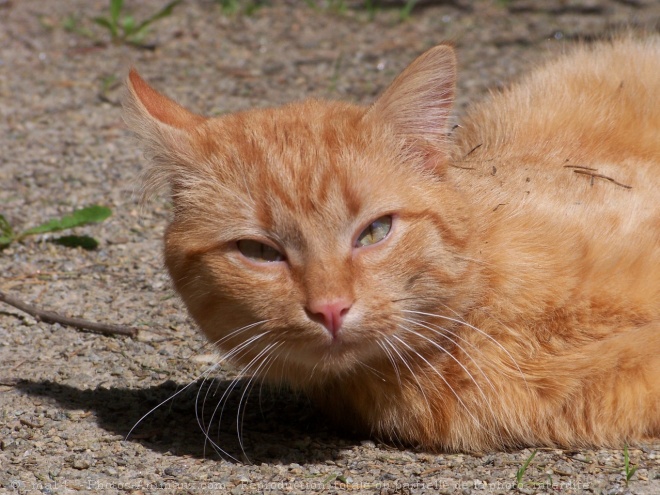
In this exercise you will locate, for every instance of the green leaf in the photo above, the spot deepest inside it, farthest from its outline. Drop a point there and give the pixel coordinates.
(630, 470)
(312, 4)
(115, 9)
(70, 24)
(84, 216)
(106, 23)
(521, 472)
(164, 12)
(128, 25)
(73, 241)
(5, 241)
(7, 235)
(107, 82)
(330, 478)
(228, 7)
(404, 15)
(5, 228)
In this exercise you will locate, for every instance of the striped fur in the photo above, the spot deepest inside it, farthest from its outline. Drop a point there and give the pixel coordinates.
(516, 299)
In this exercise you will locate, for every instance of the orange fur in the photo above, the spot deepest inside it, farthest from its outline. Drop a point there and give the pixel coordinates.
(516, 299)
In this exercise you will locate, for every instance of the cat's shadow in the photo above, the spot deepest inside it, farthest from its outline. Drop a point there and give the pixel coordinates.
(274, 426)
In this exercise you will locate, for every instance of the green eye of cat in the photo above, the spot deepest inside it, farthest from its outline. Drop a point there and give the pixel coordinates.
(258, 251)
(375, 232)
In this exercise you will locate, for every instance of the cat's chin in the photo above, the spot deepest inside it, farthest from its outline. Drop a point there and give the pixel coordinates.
(316, 354)
(333, 357)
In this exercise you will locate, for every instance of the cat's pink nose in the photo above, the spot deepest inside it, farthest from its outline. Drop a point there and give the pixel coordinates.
(330, 313)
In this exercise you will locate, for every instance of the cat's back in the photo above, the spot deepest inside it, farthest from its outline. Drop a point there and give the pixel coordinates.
(568, 159)
(584, 130)
(598, 101)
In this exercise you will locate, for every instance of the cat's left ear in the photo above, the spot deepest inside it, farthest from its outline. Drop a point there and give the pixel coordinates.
(167, 132)
(160, 121)
(419, 102)
(155, 109)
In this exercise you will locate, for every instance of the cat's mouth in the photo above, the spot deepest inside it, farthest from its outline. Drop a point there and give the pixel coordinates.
(306, 347)
(338, 354)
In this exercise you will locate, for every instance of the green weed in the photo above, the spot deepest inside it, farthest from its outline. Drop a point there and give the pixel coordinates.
(337, 6)
(107, 84)
(83, 216)
(249, 7)
(628, 469)
(406, 10)
(73, 24)
(332, 478)
(124, 28)
(372, 7)
(521, 471)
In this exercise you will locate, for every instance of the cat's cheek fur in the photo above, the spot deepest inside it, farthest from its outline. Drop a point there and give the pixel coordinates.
(225, 293)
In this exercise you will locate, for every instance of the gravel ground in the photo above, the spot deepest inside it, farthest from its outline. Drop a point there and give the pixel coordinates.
(68, 398)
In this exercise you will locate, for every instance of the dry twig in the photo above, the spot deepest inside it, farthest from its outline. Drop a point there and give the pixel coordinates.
(51, 317)
(600, 176)
(591, 172)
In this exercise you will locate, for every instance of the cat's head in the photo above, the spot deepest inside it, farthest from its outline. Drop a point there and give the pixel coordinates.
(302, 235)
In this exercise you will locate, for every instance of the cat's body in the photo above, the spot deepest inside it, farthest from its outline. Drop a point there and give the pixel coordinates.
(515, 298)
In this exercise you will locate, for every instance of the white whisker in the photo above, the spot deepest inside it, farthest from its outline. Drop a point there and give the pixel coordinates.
(458, 398)
(468, 325)
(248, 387)
(205, 375)
(206, 372)
(390, 358)
(487, 399)
(437, 331)
(373, 371)
(219, 342)
(272, 359)
(243, 347)
(422, 389)
(227, 356)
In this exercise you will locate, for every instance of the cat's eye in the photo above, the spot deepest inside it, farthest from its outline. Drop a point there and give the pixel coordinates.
(375, 232)
(258, 251)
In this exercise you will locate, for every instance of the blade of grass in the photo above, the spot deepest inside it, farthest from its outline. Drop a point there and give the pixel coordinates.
(7, 235)
(73, 241)
(116, 7)
(128, 25)
(83, 216)
(106, 23)
(164, 12)
(521, 472)
(5, 228)
(329, 479)
(404, 15)
(630, 471)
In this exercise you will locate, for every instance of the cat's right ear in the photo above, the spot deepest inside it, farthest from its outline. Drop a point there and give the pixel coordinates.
(418, 103)
(165, 128)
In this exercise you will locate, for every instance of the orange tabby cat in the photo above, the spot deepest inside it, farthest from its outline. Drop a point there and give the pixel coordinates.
(495, 286)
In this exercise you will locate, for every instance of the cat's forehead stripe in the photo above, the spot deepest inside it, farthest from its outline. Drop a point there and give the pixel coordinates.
(297, 161)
